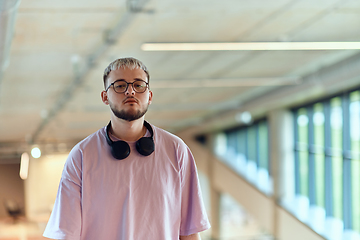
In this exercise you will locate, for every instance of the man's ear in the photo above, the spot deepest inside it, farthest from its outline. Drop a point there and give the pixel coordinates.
(150, 96)
(104, 97)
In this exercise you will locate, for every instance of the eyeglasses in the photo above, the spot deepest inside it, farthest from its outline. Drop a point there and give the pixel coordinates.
(120, 86)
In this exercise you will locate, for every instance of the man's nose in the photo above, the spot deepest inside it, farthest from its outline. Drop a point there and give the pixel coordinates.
(130, 90)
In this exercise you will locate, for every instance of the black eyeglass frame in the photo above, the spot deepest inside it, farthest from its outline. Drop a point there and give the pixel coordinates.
(127, 85)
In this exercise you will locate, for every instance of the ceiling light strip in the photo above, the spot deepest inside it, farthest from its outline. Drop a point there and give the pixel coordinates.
(250, 46)
(216, 83)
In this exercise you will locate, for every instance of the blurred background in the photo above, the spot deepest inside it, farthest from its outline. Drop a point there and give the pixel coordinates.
(265, 93)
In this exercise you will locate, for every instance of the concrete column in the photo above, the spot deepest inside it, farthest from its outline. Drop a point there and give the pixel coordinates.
(215, 213)
(282, 159)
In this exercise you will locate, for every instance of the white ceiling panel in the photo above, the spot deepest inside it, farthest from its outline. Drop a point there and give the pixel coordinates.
(50, 92)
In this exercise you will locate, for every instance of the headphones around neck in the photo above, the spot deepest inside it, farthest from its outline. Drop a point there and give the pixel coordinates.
(121, 149)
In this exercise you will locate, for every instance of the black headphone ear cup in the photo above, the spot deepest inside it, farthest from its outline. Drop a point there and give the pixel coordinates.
(120, 150)
(145, 146)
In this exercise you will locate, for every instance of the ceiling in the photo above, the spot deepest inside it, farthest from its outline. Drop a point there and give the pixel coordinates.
(50, 91)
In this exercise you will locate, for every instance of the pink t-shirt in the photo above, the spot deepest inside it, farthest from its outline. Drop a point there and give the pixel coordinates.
(155, 197)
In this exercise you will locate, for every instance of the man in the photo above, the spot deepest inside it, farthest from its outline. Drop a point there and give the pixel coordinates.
(129, 180)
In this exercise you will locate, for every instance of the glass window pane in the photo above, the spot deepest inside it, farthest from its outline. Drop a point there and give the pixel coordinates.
(303, 125)
(319, 141)
(232, 140)
(263, 145)
(252, 143)
(242, 144)
(355, 164)
(336, 121)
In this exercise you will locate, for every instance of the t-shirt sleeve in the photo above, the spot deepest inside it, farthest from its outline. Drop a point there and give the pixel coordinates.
(193, 214)
(65, 219)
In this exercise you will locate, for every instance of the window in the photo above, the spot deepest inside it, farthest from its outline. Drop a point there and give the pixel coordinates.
(246, 150)
(354, 168)
(327, 161)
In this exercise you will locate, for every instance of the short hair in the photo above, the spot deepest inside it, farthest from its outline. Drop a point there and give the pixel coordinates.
(128, 62)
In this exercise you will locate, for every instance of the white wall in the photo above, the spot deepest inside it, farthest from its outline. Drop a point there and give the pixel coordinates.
(41, 186)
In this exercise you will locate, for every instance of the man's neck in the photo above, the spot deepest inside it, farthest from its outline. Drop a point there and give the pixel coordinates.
(128, 131)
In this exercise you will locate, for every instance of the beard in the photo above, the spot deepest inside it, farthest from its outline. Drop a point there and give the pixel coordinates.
(128, 115)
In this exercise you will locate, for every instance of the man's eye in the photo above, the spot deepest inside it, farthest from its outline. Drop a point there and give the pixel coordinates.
(120, 86)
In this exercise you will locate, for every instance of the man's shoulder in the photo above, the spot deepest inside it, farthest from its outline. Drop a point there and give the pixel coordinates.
(166, 135)
(89, 141)
(169, 141)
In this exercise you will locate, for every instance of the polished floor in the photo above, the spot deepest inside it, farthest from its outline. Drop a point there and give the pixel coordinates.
(235, 224)
(234, 228)
(20, 229)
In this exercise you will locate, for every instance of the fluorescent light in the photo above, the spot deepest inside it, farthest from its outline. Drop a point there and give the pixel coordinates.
(250, 46)
(36, 152)
(244, 117)
(225, 82)
(24, 166)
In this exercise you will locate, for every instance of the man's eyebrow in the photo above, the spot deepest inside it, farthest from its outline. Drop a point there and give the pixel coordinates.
(135, 79)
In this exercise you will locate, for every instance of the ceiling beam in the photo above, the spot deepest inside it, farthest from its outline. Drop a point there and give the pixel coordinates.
(8, 10)
(224, 82)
